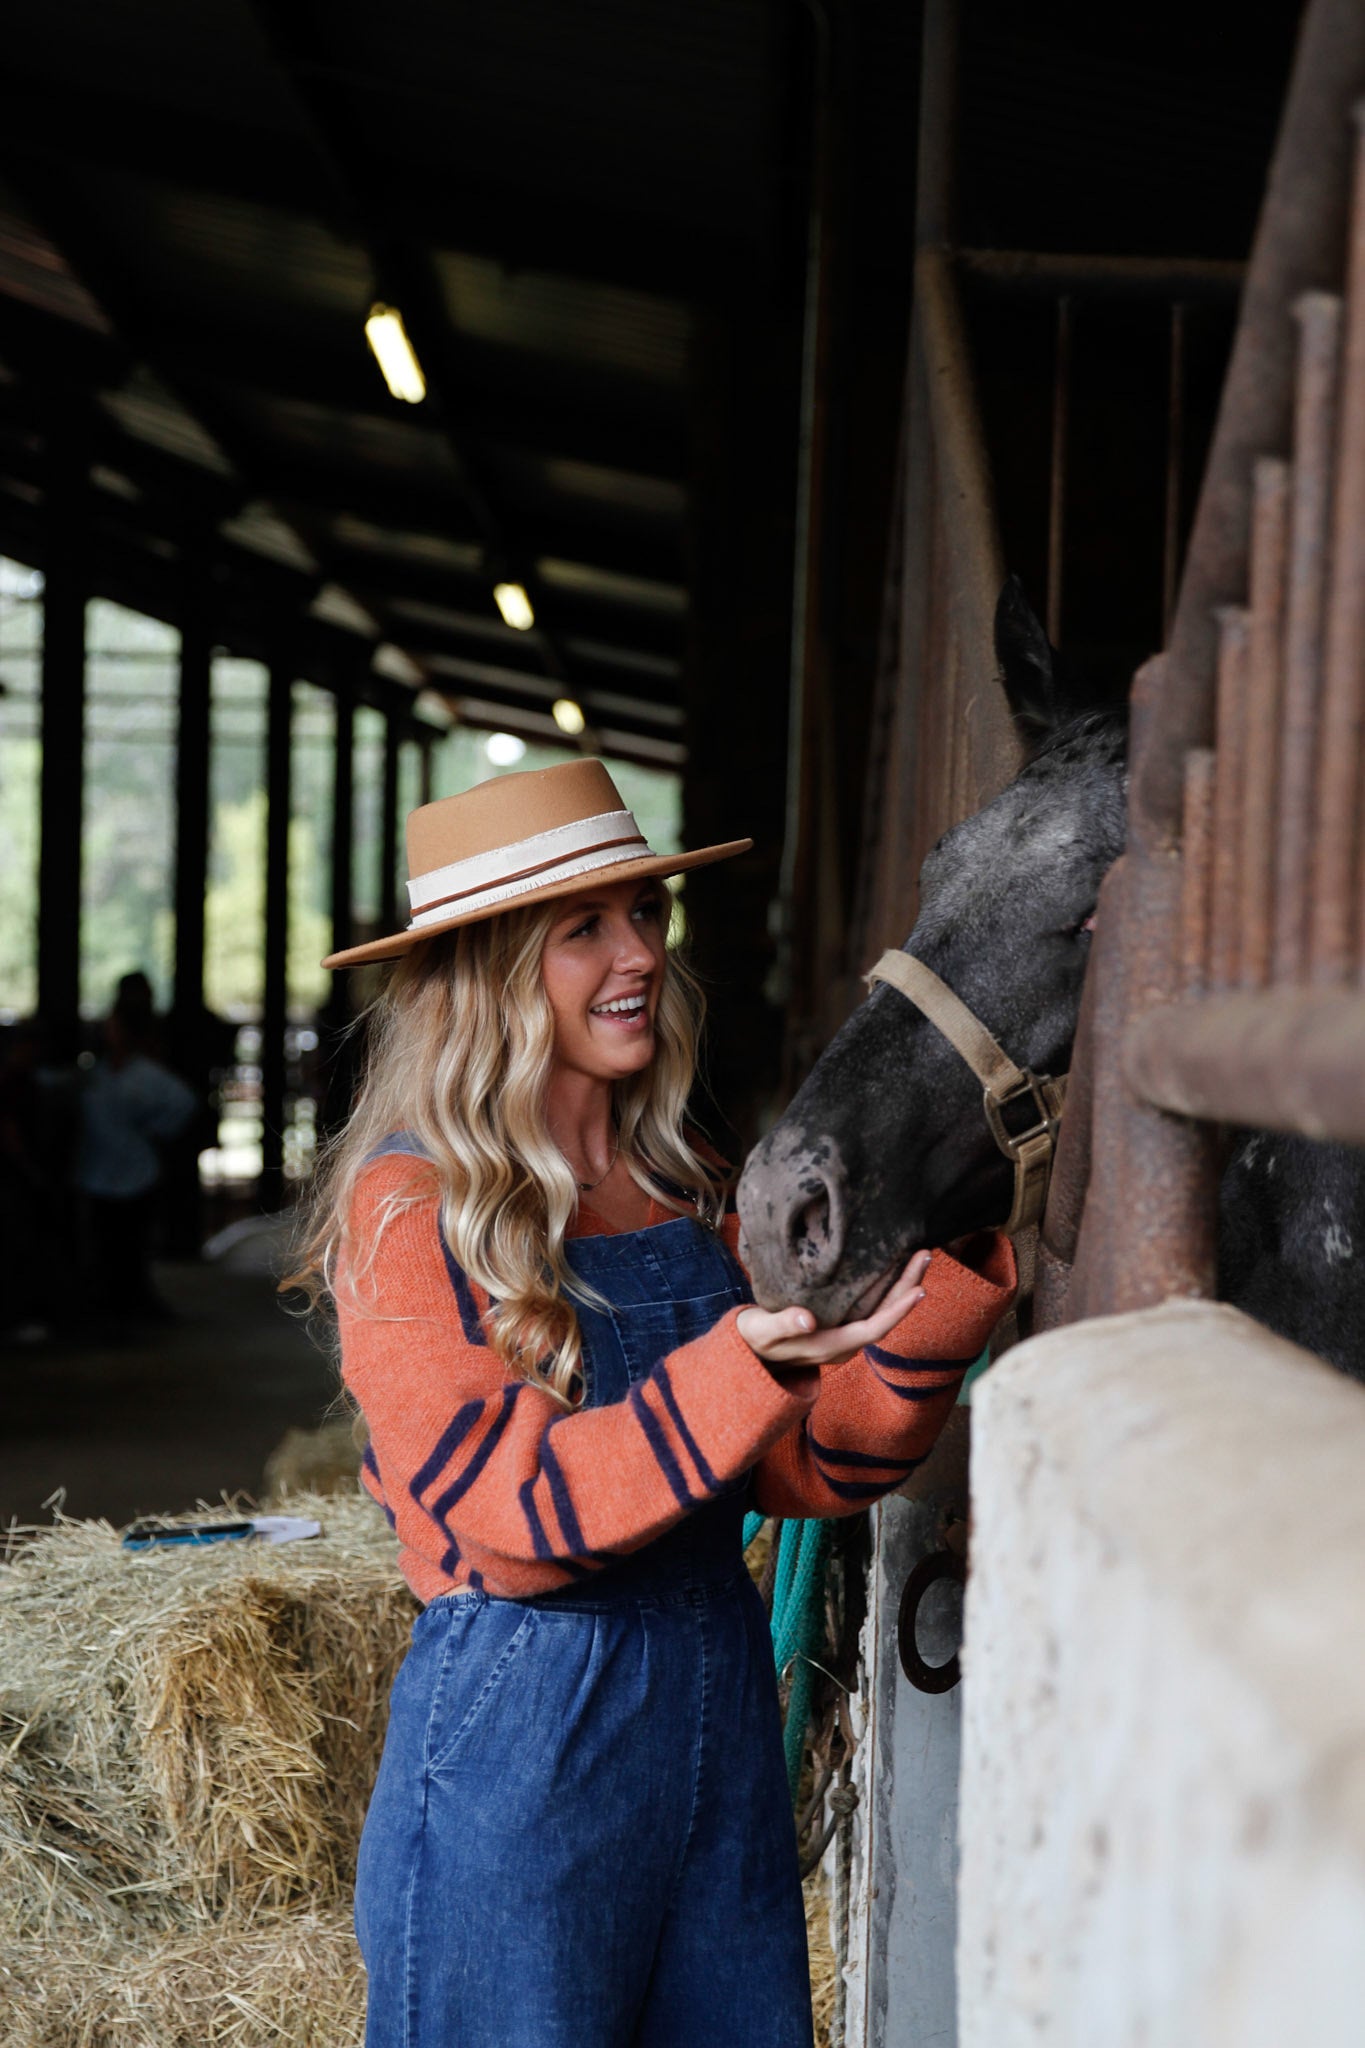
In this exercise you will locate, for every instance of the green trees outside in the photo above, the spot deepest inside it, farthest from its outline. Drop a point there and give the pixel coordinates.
(128, 916)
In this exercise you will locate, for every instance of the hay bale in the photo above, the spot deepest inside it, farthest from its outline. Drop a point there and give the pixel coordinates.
(323, 1460)
(824, 1969)
(296, 1982)
(188, 1741)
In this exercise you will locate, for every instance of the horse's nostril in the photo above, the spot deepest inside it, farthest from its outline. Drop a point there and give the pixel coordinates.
(809, 1230)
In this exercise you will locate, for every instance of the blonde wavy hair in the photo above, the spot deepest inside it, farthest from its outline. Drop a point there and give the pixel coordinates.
(460, 1052)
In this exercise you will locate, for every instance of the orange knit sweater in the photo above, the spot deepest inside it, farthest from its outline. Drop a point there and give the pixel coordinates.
(489, 1483)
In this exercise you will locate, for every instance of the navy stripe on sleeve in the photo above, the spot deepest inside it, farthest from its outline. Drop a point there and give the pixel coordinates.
(560, 1495)
(915, 1393)
(447, 1443)
(690, 1444)
(864, 1489)
(470, 1321)
(461, 1485)
(658, 1443)
(899, 1364)
(826, 1453)
(540, 1542)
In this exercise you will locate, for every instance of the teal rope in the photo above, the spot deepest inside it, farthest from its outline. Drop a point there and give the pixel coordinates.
(798, 1623)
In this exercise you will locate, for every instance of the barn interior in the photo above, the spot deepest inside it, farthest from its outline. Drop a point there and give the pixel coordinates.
(661, 270)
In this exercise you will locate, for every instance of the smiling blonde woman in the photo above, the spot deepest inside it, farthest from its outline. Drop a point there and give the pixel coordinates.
(580, 1835)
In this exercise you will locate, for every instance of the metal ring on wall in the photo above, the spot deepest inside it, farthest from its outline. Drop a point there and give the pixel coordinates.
(939, 1564)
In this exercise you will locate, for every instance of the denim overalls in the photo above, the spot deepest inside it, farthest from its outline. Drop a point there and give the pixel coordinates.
(581, 1835)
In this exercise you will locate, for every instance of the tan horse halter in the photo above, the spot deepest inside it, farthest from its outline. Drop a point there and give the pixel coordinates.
(1029, 1151)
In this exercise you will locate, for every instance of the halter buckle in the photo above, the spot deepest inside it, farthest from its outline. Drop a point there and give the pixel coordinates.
(1046, 1095)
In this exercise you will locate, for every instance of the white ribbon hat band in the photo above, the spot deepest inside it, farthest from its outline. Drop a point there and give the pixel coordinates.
(557, 855)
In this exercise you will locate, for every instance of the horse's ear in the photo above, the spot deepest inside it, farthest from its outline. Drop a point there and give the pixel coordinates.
(1027, 660)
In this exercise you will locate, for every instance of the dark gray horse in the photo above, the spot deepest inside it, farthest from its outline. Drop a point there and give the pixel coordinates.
(885, 1147)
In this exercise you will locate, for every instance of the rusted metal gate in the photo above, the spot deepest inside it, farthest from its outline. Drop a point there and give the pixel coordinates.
(1228, 984)
(942, 740)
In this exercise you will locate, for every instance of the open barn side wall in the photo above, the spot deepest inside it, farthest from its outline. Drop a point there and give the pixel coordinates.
(1163, 1791)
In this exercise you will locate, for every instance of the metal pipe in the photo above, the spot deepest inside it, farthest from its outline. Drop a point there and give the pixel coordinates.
(1259, 725)
(1043, 274)
(1342, 729)
(1071, 1167)
(1163, 1197)
(1056, 497)
(1233, 636)
(1096, 1236)
(973, 560)
(1318, 315)
(936, 156)
(1166, 1194)
(1287, 1059)
(1196, 862)
(1175, 469)
(1297, 248)
(798, 852)
(1148, 1227)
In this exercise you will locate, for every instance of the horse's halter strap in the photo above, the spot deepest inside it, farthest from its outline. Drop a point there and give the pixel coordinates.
(1029, 1151)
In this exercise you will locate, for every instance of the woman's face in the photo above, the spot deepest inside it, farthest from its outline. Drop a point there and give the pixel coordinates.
(603, 969)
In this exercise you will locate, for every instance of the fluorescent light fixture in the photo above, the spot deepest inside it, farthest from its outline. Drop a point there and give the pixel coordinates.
(515, 606)
(388, 339)
(504, 749)
(568, 715)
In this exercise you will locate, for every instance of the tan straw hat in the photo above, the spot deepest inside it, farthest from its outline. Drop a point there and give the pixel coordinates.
(521, 839)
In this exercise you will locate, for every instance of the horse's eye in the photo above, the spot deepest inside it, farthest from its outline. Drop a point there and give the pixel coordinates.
(1081, 930)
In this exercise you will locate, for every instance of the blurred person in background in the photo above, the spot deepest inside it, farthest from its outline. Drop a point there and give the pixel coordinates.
(131, 1107)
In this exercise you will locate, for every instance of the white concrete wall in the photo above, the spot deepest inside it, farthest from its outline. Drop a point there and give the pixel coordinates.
(1163, 1790)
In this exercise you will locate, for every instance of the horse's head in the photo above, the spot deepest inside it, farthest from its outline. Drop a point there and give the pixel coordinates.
(886, 1146)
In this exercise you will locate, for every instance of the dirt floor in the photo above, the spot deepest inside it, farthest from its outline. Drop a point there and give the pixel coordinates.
(184, 1412)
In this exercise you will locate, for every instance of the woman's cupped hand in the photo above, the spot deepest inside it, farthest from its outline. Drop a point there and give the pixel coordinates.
(790, 1339)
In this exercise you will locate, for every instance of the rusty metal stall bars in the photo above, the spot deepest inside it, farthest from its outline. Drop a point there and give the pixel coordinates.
(942, 741)
(1229, 984)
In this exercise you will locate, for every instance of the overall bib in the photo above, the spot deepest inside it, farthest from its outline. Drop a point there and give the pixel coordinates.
(581, 1834)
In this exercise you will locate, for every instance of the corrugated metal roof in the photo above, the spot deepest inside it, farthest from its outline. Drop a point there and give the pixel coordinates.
(149, 413)
(36, 274)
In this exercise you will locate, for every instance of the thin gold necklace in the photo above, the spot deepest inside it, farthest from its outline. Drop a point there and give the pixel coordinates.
(585, 1187)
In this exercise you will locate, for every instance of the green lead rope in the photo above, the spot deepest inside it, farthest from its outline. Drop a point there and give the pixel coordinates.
(798, 1623)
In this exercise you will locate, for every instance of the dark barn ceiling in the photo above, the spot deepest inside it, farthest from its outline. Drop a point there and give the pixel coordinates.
(198, 206)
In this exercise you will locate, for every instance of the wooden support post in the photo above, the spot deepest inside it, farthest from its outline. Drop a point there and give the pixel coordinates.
(339, 1052)
(192, 1052)
(275, 1018)
(62, 775)
(388, 827)
(343, 825)
(192, 806)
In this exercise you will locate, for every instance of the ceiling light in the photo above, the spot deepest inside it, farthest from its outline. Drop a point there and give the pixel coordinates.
(568, 715)
(515, 606)
(388, 338)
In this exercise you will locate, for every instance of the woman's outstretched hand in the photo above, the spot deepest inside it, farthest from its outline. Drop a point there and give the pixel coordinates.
(790, 1340)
